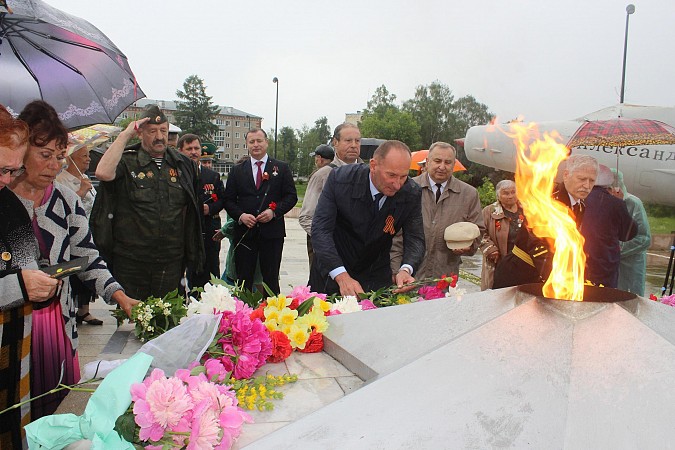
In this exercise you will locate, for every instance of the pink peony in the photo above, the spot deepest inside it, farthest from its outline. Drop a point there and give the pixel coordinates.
(367, 304)
(302, 293)
(159, 403)
(430, 293)
(245, 342)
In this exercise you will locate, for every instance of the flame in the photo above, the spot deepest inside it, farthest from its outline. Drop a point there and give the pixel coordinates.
(537, 165)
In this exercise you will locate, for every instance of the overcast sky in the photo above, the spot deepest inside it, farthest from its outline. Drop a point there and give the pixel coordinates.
(542, 59)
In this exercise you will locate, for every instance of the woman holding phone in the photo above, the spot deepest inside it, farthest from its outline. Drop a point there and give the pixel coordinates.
(62, 231)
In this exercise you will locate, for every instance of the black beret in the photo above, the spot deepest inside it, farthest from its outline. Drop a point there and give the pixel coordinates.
(155, 115)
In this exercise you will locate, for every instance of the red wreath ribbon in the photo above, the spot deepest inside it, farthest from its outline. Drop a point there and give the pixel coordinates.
(389, 225)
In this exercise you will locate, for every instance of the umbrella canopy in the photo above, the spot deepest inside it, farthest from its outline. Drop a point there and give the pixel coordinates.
(421, 155)
(64, 60)
(622, 132)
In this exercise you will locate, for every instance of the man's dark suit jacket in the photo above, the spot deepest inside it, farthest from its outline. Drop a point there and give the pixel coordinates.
(606, 222)
(346, 232)
(241, 196)
(210, 184)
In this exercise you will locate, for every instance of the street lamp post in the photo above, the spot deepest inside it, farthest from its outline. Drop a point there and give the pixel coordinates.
(275, 80)
(630, 9)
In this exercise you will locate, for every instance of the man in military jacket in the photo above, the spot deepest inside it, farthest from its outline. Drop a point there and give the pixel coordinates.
(146, 220)
(210, 194)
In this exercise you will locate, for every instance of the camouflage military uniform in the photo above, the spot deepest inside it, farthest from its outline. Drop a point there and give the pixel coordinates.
(147, 222)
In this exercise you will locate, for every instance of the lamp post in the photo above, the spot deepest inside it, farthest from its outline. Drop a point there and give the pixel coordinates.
(630, 9)
(275, 80)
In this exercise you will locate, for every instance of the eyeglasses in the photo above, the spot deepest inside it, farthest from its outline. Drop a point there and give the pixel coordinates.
(12, 172)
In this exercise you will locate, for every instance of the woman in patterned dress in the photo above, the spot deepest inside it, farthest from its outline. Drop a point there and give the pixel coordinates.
(62, 230)
(20, 285)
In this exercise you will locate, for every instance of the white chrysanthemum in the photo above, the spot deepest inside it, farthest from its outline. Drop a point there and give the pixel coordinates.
(347, 304)
(215, 297)
(455, 292)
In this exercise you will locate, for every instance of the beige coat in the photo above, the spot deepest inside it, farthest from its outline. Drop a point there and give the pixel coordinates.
(493, 239)
(313, 192)
(459, 202)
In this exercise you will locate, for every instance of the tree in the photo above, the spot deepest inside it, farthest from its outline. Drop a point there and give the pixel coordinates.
(288, 144)
(195, 111)
(383, 119)
(432, 108)
(470, 113)
(380, 102)
(322, 130)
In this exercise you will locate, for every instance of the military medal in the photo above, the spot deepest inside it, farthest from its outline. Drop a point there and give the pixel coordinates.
(133, 174)
(150, 174)
(6, 256)
(173, 174)
(141, 175)
(173, 179)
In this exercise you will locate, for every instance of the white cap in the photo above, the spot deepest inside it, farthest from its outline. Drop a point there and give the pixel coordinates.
(460, 235)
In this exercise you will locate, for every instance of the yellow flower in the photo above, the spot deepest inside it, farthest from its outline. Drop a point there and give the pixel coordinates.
(287, 316)
(286, 329)
(321, 304)
(272, 324)
(271, 312)
(298, 336)
(279, 302)
(315, 320)
(402, 300)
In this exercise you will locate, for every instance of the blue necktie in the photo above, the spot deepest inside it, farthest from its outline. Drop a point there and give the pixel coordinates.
(376, 203)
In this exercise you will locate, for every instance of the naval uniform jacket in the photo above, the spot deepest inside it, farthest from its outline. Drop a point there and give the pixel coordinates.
(347, 232)
(531, 258)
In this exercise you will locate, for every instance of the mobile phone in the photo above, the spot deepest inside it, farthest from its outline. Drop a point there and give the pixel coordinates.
(67, 268)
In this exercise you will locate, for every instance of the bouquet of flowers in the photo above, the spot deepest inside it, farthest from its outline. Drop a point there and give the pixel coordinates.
(155, 315)
(426, 289)
(183, 411)
(294, 322)
(242, 344)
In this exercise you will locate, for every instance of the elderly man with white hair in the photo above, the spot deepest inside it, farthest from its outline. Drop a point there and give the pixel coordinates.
(606, 224)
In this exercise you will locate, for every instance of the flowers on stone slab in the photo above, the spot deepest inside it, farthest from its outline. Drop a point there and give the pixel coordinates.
(215, 297)
(154, 316)
(426, 289)
(183, 411)
(297, 317)
(345, 305)
(242, 344)
(666, 300)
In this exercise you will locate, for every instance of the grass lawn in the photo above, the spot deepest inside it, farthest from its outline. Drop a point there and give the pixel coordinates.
(301, 188)
(661, 225)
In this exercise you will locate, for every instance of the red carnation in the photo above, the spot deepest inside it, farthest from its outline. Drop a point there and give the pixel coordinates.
(214, 197)
(259, 313)
(314, 343)
(294, 304)
(272, 206)
(442, 283)
(281, 347)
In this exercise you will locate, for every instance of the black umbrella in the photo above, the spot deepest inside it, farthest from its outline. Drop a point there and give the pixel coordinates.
(64, 60)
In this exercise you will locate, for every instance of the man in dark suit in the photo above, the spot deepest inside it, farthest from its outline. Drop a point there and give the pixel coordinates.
(360, 210)
(531, 258)
(210, 193)
(607, 223)
(257, 195)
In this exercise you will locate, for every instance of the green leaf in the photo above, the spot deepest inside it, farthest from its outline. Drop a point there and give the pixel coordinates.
(126, 427)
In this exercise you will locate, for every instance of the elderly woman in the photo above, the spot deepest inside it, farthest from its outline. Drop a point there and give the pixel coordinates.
(74, 177)
(20, 284)
(502, 219)
(62, 231)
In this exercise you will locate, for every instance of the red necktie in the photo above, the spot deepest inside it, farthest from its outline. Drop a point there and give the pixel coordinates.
(258, 176)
